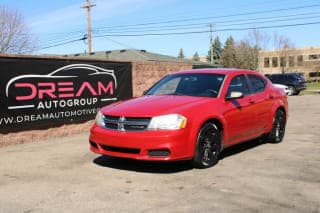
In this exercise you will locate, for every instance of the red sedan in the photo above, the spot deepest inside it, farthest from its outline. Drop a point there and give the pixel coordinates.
(192, 114)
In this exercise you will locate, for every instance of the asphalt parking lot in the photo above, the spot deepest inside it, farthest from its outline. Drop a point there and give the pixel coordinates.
(62, 175)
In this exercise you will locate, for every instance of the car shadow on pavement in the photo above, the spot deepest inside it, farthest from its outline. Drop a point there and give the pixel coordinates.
(143, 166)
(236, 149)
(167, 167)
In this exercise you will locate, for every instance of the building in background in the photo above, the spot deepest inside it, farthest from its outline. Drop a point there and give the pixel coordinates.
(132, 55)
(302, 60)
(129, 55)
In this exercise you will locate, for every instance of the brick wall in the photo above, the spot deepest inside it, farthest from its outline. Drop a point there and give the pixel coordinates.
(146, 73)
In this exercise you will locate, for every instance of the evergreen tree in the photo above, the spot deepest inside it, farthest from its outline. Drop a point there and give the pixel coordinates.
(228, 56)
(216, 49)
(181, 54)
(196, 57)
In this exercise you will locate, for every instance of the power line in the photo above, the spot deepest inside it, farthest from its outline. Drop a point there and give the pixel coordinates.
(214, 17)
(206, 31)
(164, 27)
(200, 27)
(185, 29)
(57, 39)
(55, 45)
(178, 33)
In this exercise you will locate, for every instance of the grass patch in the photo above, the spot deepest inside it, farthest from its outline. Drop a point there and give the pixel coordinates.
(313, 86)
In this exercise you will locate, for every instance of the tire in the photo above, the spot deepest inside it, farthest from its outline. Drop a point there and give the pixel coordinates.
(292, 90)
(208, 146)
(278, 127)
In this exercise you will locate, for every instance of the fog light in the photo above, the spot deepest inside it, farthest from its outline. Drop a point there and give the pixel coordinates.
(94, 145)
(159, 153)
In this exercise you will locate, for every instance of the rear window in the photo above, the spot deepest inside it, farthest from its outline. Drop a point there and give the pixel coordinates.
(258, 84)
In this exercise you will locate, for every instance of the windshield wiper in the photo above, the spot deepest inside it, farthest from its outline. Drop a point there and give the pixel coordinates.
(175, 93)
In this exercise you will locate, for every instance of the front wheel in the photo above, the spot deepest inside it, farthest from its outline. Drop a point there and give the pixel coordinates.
(208, 146)
(278, 127)
(292, 90)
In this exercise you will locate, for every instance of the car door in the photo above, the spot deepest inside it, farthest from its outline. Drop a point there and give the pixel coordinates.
(261, 102)
(240, 117)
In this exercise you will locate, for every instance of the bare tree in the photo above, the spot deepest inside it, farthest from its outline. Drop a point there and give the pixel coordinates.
(282, 45)
(15, 36)
(257, 40)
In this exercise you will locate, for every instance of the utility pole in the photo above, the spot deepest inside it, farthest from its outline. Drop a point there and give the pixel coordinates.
(211, 45)
(88, 7)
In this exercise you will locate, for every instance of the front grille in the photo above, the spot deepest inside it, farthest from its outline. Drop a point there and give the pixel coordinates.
(120, 149)
(126, 123)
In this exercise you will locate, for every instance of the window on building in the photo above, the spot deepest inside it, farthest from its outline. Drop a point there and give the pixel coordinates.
(283, 61)
(314, 57)
(291, 61)
(300, 60)
(274, 61)
(266, 62)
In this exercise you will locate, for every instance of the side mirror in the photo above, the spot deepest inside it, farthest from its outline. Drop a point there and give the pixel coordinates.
(235, 95)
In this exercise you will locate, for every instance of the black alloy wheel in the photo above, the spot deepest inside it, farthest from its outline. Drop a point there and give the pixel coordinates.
(208, 146)
(278, 127)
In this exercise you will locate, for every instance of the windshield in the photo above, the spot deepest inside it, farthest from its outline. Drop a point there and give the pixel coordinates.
(199, 84)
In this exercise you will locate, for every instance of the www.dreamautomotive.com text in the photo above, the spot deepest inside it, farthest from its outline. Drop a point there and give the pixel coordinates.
(47, 116)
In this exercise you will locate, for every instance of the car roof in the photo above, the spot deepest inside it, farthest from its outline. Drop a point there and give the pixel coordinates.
(290, 73)
(216, 71)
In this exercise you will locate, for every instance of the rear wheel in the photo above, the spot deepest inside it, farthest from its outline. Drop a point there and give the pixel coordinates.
(278, 127)
(208, 146)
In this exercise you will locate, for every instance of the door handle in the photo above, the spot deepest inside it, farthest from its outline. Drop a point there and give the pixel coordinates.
(251, 101)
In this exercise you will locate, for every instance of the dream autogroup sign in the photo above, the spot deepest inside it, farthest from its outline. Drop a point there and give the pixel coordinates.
(44, 92)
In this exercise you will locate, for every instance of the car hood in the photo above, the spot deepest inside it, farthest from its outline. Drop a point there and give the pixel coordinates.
(280, 86)
(153, 105)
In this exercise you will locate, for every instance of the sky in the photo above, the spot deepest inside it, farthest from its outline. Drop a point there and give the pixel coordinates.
(165, 26)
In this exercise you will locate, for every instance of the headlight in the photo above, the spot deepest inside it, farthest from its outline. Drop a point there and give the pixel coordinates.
(168, 122)
(99, 119)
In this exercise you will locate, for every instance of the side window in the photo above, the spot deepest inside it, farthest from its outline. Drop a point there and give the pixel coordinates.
(276, 77)
(239, 84)
(258, 84)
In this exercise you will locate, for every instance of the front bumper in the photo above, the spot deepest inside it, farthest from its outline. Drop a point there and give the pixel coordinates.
(167, 145)
(301, 87)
